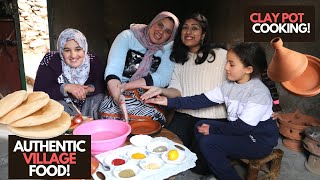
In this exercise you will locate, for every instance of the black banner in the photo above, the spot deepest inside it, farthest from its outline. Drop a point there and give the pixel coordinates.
(56, 158)
(291, 23)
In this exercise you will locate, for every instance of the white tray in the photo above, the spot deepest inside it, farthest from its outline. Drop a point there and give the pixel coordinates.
(166, 171)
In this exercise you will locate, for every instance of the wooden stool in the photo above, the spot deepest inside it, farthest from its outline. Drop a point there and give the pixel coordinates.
(272, 171)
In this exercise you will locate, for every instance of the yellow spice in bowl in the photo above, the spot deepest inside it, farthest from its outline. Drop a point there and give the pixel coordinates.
(138, 156)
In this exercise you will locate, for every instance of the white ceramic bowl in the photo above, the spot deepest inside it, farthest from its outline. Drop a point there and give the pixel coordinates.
(140, 140)
(137, 150)
(119, 169)
(158, 147)
(181, 158)
(151, 163)
(111, 159)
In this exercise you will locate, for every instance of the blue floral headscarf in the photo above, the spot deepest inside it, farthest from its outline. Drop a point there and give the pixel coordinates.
(80, 74)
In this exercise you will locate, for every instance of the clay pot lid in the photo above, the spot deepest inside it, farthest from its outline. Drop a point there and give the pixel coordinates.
(308, 83)
(144, 126)
(286, 64)
(313, 133)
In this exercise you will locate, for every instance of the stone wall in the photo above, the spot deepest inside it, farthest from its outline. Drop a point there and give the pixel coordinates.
(34, 26)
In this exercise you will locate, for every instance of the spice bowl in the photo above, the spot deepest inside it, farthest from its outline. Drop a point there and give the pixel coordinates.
(158, 147)
(115, 160)
(140, 140)
(128, 172)
(151, 163)
(137, 153)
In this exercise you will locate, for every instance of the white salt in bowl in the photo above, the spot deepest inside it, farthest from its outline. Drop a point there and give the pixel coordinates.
(140, 140)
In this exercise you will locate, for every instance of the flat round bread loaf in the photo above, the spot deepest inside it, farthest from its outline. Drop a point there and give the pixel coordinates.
(48, 113)
(11, 101)
(44, 131)
(34, 102)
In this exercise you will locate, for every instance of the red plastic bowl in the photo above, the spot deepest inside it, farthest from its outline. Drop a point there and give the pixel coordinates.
(105, 134)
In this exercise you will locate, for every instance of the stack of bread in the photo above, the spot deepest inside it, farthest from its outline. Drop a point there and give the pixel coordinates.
(33, 115)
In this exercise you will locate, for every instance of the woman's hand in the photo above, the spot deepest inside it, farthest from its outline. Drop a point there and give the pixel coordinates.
(89, 89)
(114, 90)
(77, 90)
(204, 129)
(161, 100)
(276, 115)
(152, 92)
(122, 87)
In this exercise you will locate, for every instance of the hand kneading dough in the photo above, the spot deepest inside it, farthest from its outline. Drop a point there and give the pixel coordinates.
(34, 102)
(44, 131)
(48, 113)
(11, 101)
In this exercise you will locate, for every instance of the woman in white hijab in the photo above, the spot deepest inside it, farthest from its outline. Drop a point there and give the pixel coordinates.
(72, 74)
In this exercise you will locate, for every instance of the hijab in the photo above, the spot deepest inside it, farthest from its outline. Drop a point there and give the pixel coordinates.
(80, 74)
(140, 32)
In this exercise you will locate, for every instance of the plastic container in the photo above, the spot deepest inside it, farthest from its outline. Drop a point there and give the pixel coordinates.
(105, 134)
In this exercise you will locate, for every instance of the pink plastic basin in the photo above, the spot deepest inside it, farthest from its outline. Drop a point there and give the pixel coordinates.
(105, 134)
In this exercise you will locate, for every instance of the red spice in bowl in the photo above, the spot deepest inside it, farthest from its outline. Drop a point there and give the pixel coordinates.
(118, 162)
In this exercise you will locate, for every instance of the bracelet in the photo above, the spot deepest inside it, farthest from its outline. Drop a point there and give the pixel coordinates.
(276, 102)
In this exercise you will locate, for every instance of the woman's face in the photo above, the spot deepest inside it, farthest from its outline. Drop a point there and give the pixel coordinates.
(235, 69)
(192, 34)
(73, 54)
(161, 31)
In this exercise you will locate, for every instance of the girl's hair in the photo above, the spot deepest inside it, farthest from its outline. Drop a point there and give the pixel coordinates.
(251, 54)
(180, 51)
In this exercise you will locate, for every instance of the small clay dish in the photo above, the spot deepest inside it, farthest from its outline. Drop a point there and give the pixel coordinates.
(308, 83)
(144, 126)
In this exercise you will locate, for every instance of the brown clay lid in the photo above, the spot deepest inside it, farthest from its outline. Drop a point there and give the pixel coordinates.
(308, 83)
(286, 64)
(144, 126)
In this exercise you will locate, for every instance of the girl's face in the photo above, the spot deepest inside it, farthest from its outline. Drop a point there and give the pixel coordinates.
(161, 31)
(235, 69)
(192, 34)
(73, 54)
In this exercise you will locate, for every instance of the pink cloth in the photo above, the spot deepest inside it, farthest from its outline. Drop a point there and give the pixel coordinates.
(140, 31)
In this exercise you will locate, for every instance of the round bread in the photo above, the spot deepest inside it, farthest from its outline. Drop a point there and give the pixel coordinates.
(48, 113)
(44, 131)
(34, 102)
(11, 101)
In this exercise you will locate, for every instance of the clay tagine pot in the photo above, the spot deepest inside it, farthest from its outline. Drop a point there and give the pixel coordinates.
(292, 125)
(286, 64)
(308, 83)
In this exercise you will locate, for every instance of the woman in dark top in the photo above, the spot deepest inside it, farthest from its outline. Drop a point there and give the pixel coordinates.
(72, 75)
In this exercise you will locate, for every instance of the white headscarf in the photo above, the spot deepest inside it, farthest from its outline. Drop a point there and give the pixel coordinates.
(80, 74)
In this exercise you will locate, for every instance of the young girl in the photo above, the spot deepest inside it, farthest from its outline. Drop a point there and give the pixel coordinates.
(249, 131)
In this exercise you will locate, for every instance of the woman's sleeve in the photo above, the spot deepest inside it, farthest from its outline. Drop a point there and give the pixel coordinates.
(117, 56)
(190, 102)
(175, 80)
(47, 80)
(162, 76)
(98, 81)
